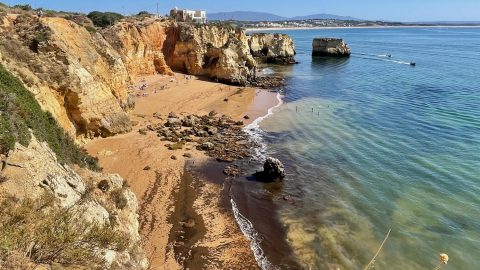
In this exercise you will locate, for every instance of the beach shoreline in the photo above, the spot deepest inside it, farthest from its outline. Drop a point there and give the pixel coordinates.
(358, 27)
(157, 175)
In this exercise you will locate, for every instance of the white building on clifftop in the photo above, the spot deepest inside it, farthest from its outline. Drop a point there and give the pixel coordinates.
(185, 15)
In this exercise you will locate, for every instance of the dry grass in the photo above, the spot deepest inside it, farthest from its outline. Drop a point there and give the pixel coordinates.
(36, 232)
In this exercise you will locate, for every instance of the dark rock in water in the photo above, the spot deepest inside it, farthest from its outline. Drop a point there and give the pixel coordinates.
(212, 113)
(226, 99)
(330, 47)
(147, 168)
(232, 171)
(173, 157)
(268, 82)
(273, 170)
(246, 117)
(187, 155)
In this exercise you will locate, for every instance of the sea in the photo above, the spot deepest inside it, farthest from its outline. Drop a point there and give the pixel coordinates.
(371, 144)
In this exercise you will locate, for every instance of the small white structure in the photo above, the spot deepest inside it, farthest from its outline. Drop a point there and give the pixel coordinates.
(185, 15)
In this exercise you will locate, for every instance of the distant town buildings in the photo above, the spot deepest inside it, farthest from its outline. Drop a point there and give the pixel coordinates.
(185, 15)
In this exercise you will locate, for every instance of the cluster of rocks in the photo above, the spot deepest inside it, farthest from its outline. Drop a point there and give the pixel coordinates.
(219, 137)
(268, 82)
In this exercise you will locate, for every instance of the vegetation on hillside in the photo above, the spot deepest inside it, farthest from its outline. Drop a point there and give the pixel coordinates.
(35, 232)
(104, 19)
(21, 115)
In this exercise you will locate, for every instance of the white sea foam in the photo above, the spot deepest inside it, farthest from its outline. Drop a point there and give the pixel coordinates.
(267, 71)
(256, 133)
(249, 231)
(245, 225)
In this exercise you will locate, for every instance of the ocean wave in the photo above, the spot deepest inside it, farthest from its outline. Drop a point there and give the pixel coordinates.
(256, 134)
(247, 229)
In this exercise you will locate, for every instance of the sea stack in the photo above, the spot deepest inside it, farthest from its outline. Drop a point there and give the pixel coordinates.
(330, 47)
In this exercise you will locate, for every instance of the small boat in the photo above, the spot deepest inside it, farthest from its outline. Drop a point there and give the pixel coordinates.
(413, 64)
(389, 55)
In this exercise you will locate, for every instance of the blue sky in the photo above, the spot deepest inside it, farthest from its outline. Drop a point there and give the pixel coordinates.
(397, 10)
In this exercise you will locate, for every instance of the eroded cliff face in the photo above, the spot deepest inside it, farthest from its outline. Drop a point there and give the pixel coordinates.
(82, 78)
(330, 47)
(141, 45)
(272, 48)
(97, 198)
(213, 51)
(75, 75)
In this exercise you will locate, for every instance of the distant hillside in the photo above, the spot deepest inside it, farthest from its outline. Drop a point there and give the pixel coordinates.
(251, 16)
(323, 16)
(244, 16)
(446, 22)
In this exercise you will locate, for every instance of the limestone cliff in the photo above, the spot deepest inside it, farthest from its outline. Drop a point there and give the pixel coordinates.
(141, 45)
(75, 75)
(330, 47)
(95, 197)
(213, 51)
(82, 77)
(272, 48)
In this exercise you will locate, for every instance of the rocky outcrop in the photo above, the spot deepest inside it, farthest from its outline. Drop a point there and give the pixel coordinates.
(96, 197)
(330, 47)
(141, 45)
(213, 51)
(75, 75)
(272, 48)
(273, 170)
(82, 77)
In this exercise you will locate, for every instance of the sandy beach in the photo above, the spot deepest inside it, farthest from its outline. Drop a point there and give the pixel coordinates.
(162, 186)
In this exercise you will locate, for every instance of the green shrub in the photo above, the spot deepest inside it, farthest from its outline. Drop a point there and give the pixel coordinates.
(21, 115)
(46, 234)
(104, 19)
(144, 14)
(23, 7)
(91, 29)
(118, 197)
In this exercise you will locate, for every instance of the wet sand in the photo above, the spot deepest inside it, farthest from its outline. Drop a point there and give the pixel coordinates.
(168, 196)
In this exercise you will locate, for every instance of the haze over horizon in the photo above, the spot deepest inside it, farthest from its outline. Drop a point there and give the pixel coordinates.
(405, 10)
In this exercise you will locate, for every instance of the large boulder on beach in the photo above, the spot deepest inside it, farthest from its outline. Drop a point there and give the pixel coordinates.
(330, 47)
(273, 170)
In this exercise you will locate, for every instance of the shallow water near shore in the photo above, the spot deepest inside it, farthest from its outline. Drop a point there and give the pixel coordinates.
(386, 146)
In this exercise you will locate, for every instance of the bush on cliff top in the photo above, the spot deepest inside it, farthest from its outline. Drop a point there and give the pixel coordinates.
(39, 233)
(21, 115)
(104, 19)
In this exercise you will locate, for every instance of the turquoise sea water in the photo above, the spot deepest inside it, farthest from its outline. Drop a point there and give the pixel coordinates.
(386, 146)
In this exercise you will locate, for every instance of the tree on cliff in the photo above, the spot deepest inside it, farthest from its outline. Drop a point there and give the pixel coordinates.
(104, 19)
